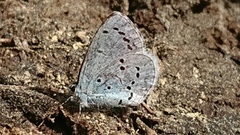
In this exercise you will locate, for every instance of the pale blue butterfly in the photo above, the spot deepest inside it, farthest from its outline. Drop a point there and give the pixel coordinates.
(117, 71)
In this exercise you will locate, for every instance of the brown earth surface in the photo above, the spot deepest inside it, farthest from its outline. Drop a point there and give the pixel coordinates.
(44, 42)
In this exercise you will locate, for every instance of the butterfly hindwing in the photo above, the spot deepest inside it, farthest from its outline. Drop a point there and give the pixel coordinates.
(126, 81)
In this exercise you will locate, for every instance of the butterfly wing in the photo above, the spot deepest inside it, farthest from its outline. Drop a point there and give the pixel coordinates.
(126, 81)
(113, 62)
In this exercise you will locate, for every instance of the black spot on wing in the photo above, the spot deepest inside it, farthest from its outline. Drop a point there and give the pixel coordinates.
(129, 47)
(120, 102)
(126, 39)
(99, 80)
(121, 33)
(115, 28)
(131, 95)
(105, 31)
(128, 87)
(122, 68)
(137, 75)
(121, 60)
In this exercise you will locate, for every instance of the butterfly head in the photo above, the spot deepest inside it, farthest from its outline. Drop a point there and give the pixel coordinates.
(82, 96)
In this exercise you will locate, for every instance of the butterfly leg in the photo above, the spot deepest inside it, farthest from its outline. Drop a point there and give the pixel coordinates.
(147, 108)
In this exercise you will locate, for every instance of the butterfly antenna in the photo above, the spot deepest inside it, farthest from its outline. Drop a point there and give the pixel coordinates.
(147, 108)
(80, 111)
(67, 100)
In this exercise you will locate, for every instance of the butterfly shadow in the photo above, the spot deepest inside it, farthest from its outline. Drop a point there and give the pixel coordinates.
(75, 107)
(64, 123)
(72, 106)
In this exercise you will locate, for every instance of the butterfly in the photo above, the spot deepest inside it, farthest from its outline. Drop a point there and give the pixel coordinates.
(118, 70)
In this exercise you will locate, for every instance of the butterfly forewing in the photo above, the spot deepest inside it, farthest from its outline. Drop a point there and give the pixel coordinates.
(114, 38)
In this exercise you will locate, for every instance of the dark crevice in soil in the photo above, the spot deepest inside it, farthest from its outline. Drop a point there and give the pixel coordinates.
(198, 8)
(237, 61)
(36, 120)
(60, 124)
(238, 38)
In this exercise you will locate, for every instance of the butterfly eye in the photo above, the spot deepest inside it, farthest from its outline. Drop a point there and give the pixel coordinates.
(109, 87)
(128, 87)
(72, 87)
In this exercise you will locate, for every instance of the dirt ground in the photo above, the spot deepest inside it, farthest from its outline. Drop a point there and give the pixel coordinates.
(43, 44)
